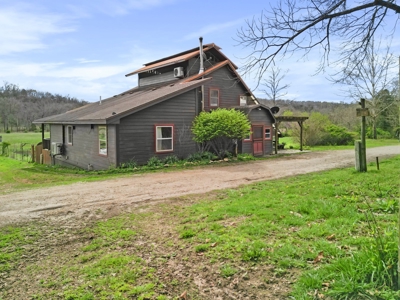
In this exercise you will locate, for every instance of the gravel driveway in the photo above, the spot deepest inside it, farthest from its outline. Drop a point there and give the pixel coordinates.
(127, 193)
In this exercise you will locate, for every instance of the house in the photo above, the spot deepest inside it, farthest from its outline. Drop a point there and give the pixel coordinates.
(154, 118)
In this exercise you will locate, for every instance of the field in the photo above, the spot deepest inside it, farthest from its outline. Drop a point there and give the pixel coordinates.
(327, 235)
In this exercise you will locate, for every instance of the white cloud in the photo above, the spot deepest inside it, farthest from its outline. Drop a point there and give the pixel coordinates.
(87, 61)
(23, 28)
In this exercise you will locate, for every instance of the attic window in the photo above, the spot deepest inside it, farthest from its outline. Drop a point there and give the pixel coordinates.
(214, 97)
(243, 100)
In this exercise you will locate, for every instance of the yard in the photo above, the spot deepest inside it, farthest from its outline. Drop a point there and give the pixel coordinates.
(308, 236)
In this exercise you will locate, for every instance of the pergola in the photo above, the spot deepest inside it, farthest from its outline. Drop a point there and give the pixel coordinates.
(281, 119)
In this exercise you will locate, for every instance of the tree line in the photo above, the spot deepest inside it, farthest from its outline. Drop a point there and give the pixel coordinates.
(20, 107)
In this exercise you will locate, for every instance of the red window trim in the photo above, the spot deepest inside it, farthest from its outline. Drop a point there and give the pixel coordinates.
(270, 136)
(155, 137)
(209, 96)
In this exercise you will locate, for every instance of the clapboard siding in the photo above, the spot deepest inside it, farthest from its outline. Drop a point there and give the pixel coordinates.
(56, 133)
(84, 151)
(137, 133)
(259, 117)
(169, 76)
(229, 87)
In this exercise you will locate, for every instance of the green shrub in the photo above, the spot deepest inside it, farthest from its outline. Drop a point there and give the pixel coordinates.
(154, 162)
(219, 128)
(336, 135)
(131, 164)
(200, 156)
(171, 159)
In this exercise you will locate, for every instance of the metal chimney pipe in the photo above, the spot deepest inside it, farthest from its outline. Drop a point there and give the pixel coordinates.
(201, 55)
(100, 101)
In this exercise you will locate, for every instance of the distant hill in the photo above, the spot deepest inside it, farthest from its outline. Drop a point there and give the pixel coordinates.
(19, 107)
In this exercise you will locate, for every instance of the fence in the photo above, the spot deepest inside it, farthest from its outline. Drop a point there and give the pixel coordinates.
(19, 151)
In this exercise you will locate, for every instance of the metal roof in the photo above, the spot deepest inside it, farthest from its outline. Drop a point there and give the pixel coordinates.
(178, 58)
(110, 110)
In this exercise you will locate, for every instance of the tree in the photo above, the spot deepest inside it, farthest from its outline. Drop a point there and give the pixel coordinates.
(369, 79)
(220, 128)
(274, 89)
(296, 25)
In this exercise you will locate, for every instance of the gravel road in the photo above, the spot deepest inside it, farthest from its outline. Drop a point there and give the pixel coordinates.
(128, 193)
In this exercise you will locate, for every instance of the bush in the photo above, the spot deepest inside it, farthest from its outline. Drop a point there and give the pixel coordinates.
(154, 162)
(336, 135)
(319, 130)
(131, 164)
(219, 128)
(172, 159)
(201, 156)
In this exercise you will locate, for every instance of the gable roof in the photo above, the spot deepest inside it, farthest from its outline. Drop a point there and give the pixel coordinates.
(248, 108)
(110, 110)
(178, 58)
(218, 66)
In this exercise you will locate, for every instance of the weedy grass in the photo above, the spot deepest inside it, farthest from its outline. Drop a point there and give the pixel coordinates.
(317, 224)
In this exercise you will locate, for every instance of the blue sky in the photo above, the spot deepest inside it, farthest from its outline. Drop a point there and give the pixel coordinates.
(84, 48)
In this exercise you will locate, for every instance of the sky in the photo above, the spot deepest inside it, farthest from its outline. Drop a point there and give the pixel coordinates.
(83, 49)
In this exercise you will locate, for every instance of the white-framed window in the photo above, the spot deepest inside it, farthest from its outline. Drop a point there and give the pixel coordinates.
(214, 97)
(103, 140)
(243, 101)
(268, 133)
(70, 134)
(164, 138)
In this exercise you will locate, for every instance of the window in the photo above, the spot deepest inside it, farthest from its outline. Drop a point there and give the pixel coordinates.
(243, 100)
(70, 131)
(248, 137)
(103, 140)
(214, 97)
(164, 138)
(268, 134)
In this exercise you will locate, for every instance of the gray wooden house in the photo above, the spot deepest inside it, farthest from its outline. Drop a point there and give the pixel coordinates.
(154, 118)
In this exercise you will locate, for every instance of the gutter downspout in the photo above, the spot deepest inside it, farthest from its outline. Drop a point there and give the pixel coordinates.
(201, 71)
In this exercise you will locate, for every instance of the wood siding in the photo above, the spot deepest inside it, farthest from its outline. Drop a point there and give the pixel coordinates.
(258, 117)
(137, 132)
(84, 151)
(230, 89)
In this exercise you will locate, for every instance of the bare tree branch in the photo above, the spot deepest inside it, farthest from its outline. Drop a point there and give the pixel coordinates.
(295, 25)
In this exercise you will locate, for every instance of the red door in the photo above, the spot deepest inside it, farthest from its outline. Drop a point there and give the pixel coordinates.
(258, 140)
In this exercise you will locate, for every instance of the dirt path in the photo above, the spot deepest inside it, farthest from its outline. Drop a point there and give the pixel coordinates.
(75, 200)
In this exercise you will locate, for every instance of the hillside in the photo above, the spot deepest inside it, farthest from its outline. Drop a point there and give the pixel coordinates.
(19, 107)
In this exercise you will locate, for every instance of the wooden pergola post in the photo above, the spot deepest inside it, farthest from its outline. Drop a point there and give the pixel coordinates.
(299, 120)
(301, 135)
(276, 136)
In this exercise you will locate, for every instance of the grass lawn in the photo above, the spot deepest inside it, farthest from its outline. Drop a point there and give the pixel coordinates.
(318, 229)
(369, 142)
(30, 138)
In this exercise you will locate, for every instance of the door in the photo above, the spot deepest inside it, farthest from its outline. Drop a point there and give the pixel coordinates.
(258, 140)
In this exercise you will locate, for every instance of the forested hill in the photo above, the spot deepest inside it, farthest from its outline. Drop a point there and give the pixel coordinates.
(308, 106)
(19, 107)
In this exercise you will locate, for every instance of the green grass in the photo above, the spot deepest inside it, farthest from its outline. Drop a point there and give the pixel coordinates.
(19, 175)
(315, 224)
(30, 138)
(369, 142)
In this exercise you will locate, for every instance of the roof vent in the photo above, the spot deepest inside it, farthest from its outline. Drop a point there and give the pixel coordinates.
(178, 72)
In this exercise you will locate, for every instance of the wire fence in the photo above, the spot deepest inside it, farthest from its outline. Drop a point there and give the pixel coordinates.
(19, 151)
